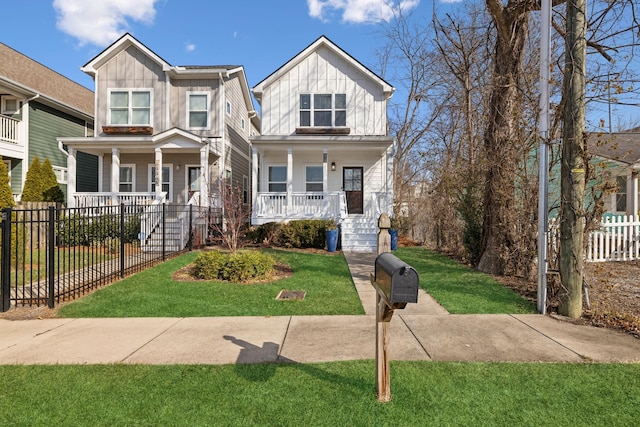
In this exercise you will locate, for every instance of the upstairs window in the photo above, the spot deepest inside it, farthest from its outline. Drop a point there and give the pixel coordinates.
(130, 107)
(10, 105)
(323, 110)
(198, 110)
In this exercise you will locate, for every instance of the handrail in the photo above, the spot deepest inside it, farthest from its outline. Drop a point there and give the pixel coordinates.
(151, 218)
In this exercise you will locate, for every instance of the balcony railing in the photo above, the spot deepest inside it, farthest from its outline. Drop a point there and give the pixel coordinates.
(311, 205)
(9, 130)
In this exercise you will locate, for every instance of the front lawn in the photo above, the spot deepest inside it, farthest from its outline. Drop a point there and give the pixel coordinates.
(460, 289)
(154, 293)
(325, 394)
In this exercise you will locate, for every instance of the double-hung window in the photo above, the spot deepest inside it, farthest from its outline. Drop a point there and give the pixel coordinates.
(314, 178)
(621, 194)
(323, 110)
(277, 179)
(127, 178)
(198, 110)
(167, 178)
(130, 107)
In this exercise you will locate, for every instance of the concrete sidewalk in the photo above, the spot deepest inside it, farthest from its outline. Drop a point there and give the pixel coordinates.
(423, 331)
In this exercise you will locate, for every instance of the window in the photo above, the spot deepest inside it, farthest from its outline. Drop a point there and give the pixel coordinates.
(621, 194)
(242, 124)
(277, 178)
(127, 178)
(130, 107)
(323, 110)
(10, 105)
(198, 110)
(61, 174)
(166, 179)
(245, 189)
(314, 178)
(228, 108)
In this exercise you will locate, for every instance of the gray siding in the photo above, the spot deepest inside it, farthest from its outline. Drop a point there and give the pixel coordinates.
(179, 90)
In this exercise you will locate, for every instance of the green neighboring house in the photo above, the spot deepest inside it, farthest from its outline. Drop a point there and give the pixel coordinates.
(38, 105)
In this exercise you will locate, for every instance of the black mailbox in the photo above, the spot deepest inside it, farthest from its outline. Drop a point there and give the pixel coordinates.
(396, 279)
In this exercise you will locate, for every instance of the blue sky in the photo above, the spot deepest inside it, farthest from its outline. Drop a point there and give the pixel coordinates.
(261, 35)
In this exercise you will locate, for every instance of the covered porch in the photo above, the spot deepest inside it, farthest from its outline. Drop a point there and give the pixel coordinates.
(174, 166)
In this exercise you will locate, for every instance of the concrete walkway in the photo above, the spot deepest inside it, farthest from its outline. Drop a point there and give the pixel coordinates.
(422, 331)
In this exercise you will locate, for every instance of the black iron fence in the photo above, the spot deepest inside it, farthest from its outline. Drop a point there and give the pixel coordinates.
(50, 255)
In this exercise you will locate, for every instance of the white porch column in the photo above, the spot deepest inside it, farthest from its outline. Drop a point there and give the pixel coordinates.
(115, 175)
(205, 193)
(632, 194)
(254, 177)
(325, 170)
(159, 172)
(72, 164)
(289, 178)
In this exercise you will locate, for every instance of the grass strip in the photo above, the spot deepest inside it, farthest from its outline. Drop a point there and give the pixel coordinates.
(327, 394)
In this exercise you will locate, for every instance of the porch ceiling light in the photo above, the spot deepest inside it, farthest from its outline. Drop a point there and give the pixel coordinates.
(333, 166)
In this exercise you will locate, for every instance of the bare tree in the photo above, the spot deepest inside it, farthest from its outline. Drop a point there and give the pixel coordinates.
(236, 215)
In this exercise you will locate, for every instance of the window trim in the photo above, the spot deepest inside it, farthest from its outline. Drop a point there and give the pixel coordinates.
(129, 91)
(133, 176)
(621, 196)
(151, 179)
(227, 107)
(189, 111)
(4, 105)
(312, 110)
(245, 189)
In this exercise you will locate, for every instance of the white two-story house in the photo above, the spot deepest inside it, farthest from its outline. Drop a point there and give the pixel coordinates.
(324, 149)
(163, 133)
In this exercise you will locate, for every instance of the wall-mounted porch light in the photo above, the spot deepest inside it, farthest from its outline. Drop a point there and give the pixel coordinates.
(333, 166)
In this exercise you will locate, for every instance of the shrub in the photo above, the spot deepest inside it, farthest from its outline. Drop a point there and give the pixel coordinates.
(6, 194)
(238, 267)
(32, 190)
(295, 234)
(51, 191)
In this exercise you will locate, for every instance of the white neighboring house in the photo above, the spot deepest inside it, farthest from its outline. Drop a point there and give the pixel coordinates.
(324, 149)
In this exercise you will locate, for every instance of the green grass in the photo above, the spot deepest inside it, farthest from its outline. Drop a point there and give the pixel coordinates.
(327, 394)
(460, 289)
(152, 293)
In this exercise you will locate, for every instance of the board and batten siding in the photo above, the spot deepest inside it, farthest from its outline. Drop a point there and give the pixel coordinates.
(131, 69)
(324, 72)
(179, 90)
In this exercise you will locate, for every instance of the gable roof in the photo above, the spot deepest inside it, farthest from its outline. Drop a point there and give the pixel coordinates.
(25, 75)
(621, 147)
(322, 41)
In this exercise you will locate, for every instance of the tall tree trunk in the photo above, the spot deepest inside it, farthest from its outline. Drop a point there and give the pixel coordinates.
(500, 140)
(573, 161)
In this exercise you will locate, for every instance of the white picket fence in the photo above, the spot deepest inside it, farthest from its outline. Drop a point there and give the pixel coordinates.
(617, 239)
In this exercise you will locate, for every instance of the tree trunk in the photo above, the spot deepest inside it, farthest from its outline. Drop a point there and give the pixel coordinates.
(500, 141)
(573, 162)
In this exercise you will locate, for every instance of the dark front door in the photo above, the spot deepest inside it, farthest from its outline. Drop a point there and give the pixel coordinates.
(352, 184)
(193, 177)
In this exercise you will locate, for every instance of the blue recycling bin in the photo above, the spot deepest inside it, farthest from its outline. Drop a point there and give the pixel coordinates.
(332, 240)
(394, 239)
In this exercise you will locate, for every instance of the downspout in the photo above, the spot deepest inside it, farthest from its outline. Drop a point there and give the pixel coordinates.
(223, 145)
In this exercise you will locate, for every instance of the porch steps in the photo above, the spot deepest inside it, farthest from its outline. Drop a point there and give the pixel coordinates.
(174, 239)
(359, 234)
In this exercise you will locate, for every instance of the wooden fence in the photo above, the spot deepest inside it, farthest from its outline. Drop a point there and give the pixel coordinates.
(617, 239)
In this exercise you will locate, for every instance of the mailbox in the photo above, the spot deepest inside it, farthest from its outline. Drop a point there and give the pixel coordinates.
(396, 279)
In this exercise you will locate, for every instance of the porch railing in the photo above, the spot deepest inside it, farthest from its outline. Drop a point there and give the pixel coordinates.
(9, 129)
(280, 206)
(151, 218)
(99, 199)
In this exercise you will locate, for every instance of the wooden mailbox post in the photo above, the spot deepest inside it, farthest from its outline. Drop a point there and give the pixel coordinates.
(396, 284)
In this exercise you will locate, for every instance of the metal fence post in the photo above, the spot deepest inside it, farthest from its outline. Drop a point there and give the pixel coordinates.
(190, 243)
(121, 240)
(5, 288)
(52, 257)
(164, 231)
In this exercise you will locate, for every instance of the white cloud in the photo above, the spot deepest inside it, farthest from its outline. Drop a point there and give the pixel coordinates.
(189, 47)
(359, 11)
(101, 22)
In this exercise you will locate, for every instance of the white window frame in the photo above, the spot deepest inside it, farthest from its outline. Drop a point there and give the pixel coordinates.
(242, 123)
(621, 196)
(7, 112)
(152, 179)
(189, 111)
(312, 110)
(307, 182)
(270, 182)
(133, 177)
(130, 108)
(245, 189)
(62, 174)
(228, 107)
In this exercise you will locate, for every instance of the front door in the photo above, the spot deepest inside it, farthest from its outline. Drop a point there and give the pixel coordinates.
(352, 184)
(193, 178)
